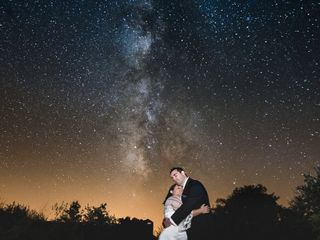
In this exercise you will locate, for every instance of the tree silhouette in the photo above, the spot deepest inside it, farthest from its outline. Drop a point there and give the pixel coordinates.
(307, 199)
(293, 226)
(315, 221)
(12, 214)
(249, 212)
(98, 215)
(68, 213)
(306, 202)
(17, 221)
(73, 223)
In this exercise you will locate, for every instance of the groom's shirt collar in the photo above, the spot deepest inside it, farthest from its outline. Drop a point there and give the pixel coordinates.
(185, 182)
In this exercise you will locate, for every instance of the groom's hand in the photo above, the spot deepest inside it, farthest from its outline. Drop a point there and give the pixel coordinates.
(166, 222)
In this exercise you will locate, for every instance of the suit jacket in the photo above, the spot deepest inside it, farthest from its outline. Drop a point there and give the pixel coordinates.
(193, 196)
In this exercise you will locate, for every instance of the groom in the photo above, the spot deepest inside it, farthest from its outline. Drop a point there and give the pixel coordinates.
(193, 196)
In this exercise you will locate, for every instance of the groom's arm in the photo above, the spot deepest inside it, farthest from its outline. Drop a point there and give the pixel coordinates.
(192, 202)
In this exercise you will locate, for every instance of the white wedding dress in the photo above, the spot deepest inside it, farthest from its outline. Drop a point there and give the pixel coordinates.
(175, 232)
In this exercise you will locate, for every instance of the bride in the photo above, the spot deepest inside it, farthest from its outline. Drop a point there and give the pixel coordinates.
(171, 203)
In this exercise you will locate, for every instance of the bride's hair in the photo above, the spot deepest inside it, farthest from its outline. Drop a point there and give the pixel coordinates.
(169, 194)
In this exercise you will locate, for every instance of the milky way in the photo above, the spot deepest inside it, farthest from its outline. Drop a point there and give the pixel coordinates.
(100, 99)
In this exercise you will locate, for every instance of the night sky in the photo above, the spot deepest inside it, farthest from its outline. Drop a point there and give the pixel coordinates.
(100, 99)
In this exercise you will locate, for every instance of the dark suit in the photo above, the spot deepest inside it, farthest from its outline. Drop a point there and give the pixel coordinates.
(193, 196)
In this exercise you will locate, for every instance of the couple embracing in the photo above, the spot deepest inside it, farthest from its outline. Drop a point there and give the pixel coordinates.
(186, 209)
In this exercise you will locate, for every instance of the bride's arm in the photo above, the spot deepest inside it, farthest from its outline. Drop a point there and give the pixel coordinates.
(187, 221)
(170, 207)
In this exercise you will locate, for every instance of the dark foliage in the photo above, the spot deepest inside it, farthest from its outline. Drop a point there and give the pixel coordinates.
(307, 199)
(306, 202)
(71, 223)
(251, 213)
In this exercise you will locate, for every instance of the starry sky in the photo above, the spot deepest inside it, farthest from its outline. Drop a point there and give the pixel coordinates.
(99, 99)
